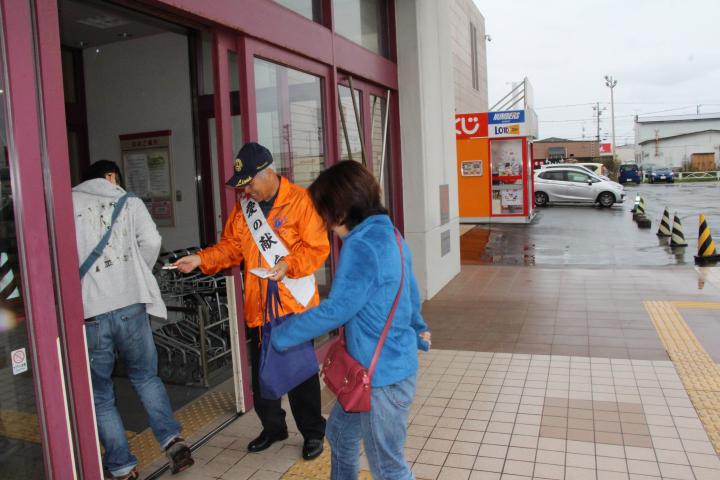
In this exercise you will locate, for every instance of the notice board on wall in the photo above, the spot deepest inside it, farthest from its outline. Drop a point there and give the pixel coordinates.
(147, 169)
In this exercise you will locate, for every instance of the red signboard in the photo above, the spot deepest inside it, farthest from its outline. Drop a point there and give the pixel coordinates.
(606, 149)
(471, 125)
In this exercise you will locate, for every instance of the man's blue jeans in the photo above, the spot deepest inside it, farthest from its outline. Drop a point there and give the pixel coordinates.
(128, 331)
(383, 430)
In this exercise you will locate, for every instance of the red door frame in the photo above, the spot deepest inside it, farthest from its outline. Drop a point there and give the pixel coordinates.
(42, 181)
(63, 227)
(33, 193)
(224, 42)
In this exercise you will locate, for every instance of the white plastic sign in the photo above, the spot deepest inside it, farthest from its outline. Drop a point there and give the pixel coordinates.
(19, 361)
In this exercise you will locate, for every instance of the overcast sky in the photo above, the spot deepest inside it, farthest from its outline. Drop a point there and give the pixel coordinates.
(664, 54)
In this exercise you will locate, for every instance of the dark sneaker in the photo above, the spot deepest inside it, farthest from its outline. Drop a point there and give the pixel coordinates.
(179, 456)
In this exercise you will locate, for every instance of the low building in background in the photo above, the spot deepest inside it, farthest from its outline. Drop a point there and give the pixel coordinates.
(556, 150)
(625, 153)
(680, 142)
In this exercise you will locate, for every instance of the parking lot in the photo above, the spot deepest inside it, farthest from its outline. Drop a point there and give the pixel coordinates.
(599, 237)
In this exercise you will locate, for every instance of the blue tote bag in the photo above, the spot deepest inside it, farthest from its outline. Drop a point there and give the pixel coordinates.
(281, 371)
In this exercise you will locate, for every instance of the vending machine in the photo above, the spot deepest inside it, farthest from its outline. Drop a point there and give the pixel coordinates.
(495, 174)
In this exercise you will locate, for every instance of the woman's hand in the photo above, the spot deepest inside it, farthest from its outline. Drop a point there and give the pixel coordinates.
(426, 337)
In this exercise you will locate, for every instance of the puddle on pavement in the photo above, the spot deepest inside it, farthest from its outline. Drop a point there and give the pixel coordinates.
(550, 246)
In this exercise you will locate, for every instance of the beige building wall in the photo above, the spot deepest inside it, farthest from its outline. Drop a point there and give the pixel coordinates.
(578, 149)
(468, 99)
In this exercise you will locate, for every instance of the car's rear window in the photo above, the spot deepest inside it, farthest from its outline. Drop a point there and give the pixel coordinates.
(628, 168)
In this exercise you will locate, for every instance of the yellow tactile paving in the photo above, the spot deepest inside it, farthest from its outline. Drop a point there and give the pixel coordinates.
(699, 373)
(192, 417)
(19, 426)
(24, 426)
(698, 305)
(318, 468)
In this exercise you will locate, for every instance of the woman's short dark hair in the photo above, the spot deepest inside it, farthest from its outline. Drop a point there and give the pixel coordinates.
(346, 194)
(101, 168)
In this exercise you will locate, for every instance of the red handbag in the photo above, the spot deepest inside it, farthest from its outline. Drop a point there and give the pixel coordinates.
(345, 376)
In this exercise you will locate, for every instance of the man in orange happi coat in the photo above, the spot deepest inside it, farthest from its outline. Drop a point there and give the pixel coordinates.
(291, 241)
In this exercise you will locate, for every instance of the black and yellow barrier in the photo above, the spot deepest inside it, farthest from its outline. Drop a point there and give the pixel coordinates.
(706, 246)
(677, 239)
(664, 230)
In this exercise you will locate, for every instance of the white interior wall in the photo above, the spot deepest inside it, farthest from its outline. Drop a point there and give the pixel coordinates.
(143, 85)
(426, 95)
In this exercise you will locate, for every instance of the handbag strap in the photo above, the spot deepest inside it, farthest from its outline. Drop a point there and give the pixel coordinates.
(381, 342)
(272, 301)
(97, 251)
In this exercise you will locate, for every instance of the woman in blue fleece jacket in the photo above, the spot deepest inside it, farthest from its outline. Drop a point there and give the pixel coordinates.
(366, 282)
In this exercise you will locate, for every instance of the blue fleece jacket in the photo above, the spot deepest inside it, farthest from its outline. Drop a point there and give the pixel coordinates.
(363, 290)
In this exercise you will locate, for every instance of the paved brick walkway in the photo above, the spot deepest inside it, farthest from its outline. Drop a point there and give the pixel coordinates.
(541, 373)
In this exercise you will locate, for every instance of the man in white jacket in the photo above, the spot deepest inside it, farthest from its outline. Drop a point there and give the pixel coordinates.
(119, 291)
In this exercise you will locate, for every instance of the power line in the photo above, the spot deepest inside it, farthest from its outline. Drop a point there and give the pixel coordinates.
(625, 103)
(572, 105)
(630, 115)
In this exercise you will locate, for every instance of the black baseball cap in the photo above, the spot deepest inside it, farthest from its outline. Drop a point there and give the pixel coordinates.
(250, 160)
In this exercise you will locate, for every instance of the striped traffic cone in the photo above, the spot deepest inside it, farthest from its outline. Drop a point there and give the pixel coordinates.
(639, 210)
(706, 246)
(677, 239)
(664, 228)
(637, 200)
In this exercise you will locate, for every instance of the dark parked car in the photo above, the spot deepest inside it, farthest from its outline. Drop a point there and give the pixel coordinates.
(662, 175)
(629, 173)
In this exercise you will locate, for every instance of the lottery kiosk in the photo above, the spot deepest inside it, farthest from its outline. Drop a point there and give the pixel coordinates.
(494, 161)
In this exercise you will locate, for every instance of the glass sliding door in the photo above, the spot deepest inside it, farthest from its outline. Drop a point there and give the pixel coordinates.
(21, 453)
(290, 120)
(36, 439)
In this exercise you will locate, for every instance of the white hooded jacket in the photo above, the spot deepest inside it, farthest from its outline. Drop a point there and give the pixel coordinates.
(122, 275)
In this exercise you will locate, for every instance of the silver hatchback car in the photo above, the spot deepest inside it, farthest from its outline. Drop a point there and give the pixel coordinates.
(572, 185)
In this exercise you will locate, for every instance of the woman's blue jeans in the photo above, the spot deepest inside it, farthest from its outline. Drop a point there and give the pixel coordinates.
(128, 331)
(383, 431)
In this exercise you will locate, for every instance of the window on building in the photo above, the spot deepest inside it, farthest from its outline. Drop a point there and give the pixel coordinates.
(307, 8)
(474, 57)
(380, 145)
(290, 120)
(290, 124)
(348, 127)
(364, 22)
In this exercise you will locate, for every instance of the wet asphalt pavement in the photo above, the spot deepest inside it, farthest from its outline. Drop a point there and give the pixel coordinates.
(600, 237)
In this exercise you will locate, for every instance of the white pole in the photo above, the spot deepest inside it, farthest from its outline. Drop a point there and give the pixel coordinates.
(612, 115)
(610, 82)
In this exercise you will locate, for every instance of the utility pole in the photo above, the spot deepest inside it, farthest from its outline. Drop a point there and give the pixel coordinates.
(697, 109)
(598, 112)
(610, 82)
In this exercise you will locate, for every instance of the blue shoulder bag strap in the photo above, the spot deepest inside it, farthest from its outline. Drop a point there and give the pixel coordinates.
(97, 251)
